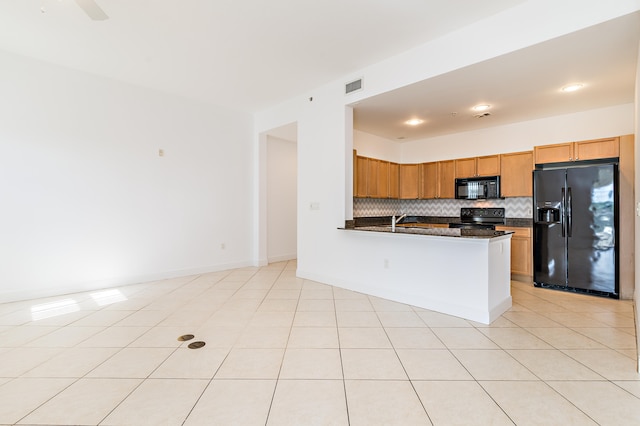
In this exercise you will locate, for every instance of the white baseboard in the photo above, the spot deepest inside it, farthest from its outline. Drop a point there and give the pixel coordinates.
(35, 293)
(282, 258)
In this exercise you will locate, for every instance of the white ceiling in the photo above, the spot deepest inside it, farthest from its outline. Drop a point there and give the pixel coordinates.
(251, 54)
(242, 54)
(520, 86)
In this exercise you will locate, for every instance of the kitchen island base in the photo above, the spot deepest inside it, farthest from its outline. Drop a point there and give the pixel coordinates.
(464, 277)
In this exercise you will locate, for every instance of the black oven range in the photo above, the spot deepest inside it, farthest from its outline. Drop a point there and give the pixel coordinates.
(480, 218)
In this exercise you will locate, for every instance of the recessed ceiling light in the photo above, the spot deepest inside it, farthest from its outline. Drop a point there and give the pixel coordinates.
(482, 107)
(572, 87)
(414, 122)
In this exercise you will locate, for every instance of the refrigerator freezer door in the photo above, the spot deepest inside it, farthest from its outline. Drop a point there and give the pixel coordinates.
(591, 242)
(549, 242)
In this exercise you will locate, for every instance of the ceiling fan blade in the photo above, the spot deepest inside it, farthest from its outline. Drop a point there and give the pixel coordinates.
(92, 9)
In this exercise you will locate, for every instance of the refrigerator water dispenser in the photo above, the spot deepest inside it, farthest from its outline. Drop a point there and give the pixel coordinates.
(548, 213)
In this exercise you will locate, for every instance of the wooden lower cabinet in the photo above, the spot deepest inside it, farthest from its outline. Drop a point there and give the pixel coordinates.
(521, 252)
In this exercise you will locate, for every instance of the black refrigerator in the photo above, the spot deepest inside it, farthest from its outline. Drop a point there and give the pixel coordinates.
(575, 238)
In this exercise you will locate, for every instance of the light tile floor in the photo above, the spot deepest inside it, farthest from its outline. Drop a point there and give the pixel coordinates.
(286, 351)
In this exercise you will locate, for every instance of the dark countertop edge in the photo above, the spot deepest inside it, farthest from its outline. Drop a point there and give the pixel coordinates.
(386, 220)
(470, 234)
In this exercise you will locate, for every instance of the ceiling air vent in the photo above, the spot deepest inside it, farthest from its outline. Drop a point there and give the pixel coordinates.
(354, 86)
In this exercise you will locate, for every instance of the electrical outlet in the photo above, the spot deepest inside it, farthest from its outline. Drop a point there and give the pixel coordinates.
(223, 246)
(386, 264)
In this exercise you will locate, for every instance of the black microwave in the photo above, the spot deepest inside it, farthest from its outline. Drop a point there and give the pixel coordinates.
(478, 188)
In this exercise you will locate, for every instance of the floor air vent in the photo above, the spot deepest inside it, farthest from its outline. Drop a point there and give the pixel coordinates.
(353, 86)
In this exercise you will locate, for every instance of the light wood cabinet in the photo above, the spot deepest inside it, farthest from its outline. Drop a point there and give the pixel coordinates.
(447, 180)
(429, 180)
(521, 252)
(437, 179)
(378, 179)
(516, 174)
(374, 178)
(488, 165)
(577, 151)
(360, 173)
(409, 181)
(394, 180)
(597, 148)
(465, 167)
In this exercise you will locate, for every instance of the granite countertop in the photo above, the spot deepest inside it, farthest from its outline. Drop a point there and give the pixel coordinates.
(442, 232)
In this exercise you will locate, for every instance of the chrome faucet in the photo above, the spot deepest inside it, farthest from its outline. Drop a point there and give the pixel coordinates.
(394, 221)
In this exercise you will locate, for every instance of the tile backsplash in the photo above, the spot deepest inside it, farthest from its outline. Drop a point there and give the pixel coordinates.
(517, 207)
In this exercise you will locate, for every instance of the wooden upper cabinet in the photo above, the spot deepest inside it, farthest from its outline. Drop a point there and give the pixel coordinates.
(394, 180)
(577, 151)
(378, 179)
(372, 177)
(429, 180)
(409, 179)
(488, 165)
(555, 153)
(447, 179)
(437, 179)
(599, 148)
(465, 167)
(516, 174)
(383, 180)
(361, 173)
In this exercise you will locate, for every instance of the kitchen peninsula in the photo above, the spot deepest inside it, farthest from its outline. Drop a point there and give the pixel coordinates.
(457, 272)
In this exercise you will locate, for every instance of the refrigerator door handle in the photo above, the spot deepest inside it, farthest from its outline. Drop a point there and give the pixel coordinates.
(569, 213)
(562, 213)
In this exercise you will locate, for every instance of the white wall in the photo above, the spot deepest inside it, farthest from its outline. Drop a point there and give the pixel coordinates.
(88, 202)
(282, 179)
(373, 146)
(324, 149)
(600, 123)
